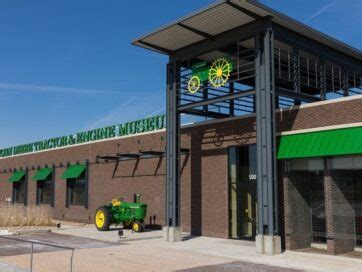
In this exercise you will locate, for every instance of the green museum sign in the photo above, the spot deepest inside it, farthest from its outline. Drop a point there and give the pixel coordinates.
(129, 128)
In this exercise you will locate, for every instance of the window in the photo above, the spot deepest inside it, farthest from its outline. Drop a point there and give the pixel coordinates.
(44, 191)
(346, 173)
(19, 191)
(76, 191)
(306, 200)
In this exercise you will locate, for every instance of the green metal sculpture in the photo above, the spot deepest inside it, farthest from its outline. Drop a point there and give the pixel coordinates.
(217, 74)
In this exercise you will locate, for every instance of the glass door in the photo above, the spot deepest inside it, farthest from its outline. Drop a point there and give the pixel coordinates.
(242, 192)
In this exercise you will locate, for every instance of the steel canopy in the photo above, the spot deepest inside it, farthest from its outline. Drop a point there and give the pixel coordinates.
(226, 15)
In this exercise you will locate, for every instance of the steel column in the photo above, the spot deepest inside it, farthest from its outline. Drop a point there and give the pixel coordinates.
(322, 78)
(296, 73)
(266, 140)
(172, 148)
(205, 95)
(52, 201)
(86, 201)
(345, 83)
(26, 185)
(231, 102)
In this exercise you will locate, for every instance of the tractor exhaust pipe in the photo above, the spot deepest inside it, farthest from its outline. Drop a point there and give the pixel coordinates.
(137, 198)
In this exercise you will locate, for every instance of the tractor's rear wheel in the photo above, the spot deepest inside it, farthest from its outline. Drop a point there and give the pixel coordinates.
(127, 224)
(137, 226)
(102, 218)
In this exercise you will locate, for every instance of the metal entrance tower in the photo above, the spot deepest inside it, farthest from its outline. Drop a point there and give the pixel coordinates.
(240, 57)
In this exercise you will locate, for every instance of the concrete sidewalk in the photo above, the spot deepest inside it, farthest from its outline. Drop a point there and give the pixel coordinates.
(148, 252)
(233, 250)
(4, 267)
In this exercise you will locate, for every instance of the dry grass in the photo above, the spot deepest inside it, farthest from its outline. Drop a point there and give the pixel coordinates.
(20, 215)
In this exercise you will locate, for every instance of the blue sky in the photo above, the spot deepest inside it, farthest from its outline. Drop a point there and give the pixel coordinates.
(68, 66)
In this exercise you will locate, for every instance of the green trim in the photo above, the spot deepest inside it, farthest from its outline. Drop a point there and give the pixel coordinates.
(347, 141)
(42, 174)
(17, 176)
(73, 171)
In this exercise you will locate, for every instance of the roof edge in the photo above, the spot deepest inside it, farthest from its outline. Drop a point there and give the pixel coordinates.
(339, 45)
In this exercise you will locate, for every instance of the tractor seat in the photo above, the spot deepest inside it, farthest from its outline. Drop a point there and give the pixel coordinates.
(116, 202)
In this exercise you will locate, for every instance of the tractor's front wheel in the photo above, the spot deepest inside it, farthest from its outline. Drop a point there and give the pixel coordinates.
(137, 226)
(102, 218)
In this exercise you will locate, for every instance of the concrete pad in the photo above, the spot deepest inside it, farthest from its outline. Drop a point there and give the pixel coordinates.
(272, 244)
(165, 233)
(193, 253)
(6, 232)
(259, 243)
(12, 247)
(174, 234)
(11, 268)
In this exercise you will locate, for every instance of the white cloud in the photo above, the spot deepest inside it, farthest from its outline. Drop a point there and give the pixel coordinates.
(158, 111)
(48, 89)
(135, 107)
(113, 117)
(321, 11)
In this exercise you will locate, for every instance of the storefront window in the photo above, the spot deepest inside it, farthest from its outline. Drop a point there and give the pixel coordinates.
(346, 173)
(307, 198)
(44, 192)
(76, 191)
(19, 191)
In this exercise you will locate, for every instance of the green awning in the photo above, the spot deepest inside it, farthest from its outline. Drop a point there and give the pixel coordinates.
(42, 174)
(17, 176)
(347, 141)
(73, 171)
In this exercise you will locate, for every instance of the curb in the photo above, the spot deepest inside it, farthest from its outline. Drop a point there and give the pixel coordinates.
(20, 232)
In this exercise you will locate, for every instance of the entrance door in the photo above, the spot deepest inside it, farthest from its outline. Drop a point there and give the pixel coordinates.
(242, 192)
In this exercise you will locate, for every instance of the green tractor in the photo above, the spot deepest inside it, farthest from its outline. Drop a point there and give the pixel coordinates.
(131, 215)
(217, 74)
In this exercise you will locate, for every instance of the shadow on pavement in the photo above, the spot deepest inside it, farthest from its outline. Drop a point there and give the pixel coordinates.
(10, 248)
(238, 267)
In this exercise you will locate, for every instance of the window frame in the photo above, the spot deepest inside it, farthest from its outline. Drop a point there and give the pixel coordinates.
(69, 189)
(16, 191)
(39, 190)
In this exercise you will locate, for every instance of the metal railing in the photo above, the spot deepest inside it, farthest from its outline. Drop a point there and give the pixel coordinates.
(32, 243)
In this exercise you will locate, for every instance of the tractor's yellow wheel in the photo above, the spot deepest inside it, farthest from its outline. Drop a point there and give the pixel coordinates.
(136, 226)
(102, 219)
(220, 72)
(194, 84)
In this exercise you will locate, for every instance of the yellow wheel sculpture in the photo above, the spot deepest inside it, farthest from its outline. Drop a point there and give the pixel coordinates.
(194, 84)
(220, 72)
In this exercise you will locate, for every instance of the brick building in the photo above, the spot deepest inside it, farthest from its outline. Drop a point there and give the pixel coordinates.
(207, 175)
(277, 157)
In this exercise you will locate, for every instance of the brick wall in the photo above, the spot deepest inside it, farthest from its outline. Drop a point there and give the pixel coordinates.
(340, 215)
(323, 115)
(204, 188)
(297, 226)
